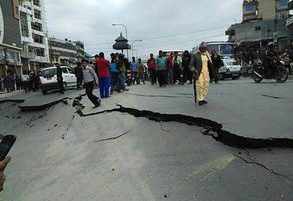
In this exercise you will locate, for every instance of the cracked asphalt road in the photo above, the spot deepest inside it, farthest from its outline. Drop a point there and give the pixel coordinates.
(58, 155)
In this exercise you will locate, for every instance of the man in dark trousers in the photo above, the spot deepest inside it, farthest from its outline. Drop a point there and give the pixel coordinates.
(218, 63)
(78, 74)
(60, 79)
(90, 80)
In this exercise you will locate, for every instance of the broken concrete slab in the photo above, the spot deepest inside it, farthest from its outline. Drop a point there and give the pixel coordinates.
(36, 106)
(11, 100)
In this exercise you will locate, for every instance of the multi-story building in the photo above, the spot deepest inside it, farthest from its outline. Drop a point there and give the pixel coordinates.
(64, 52)
(34, 36)
(263, 21)
(80, 50)
(10, 41)
(289, 22)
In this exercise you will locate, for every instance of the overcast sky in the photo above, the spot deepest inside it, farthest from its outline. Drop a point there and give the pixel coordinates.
(161, 24)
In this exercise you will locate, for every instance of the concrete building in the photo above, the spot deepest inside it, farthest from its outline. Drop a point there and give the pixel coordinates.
(34, 36)
(263, 21)
(64, 52)
(80, 50)
(10, 39)
(289, 22)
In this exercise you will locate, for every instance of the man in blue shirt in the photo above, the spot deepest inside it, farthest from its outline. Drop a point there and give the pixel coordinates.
(133, 67)
(162, 69)
(114, 73)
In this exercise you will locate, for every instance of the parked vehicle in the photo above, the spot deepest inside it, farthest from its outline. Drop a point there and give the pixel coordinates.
(280, 74)
(48, 78)
(231, 69)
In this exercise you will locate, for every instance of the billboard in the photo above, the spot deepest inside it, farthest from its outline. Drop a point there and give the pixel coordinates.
(9, 23)
(282, 4)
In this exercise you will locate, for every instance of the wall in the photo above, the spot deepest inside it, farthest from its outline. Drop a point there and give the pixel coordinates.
(267, 9)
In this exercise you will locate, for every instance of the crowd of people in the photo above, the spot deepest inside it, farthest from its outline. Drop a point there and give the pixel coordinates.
(28, 81)
(113, 76)
(249, 54)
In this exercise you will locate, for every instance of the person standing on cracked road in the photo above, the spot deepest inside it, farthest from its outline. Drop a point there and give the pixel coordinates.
(103, 66)
(90, 80)
(201, 64)
(60, 79)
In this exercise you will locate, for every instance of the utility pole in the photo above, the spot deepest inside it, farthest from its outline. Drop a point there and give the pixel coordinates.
(132, 45)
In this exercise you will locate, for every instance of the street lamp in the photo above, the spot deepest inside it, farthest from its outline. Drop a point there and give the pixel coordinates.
(125, 28)
(132, 45)
(126, 32)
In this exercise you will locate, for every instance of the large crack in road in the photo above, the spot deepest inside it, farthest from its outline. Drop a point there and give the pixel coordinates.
(211, 128)
(218, 133)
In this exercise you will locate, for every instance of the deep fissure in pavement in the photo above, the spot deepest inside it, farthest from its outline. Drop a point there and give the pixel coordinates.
(218, 133)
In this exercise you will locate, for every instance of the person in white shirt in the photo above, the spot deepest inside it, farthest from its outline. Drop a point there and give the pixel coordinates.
(90, 80)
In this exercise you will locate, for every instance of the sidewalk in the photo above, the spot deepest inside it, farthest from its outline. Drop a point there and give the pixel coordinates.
(14, 93)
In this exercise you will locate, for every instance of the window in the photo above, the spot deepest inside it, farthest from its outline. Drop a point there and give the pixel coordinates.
(38, 38)
(2, 54)
(49, 72)
(64, 70)
(24, 24)
(37, 2)
(70, 70)
(12, 55)
(40, 52)
(37, 26)
(37, 14)
(226, 49)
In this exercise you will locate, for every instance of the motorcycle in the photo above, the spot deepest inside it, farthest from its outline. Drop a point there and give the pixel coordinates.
(280, 73)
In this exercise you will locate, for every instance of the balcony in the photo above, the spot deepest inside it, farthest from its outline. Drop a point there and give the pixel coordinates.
(27, 55)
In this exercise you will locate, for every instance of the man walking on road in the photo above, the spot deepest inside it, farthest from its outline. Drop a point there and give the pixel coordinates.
(201, 63)
(90, 79)
(133, 66)
(78, 74)
(186, 57)
(217, 64)
(60, 79)
(152, 69)
(170, 69)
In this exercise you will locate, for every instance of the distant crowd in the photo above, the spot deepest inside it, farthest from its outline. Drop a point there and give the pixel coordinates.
(28, 81)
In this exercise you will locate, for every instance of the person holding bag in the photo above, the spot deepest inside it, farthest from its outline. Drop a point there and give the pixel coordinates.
(90, 80)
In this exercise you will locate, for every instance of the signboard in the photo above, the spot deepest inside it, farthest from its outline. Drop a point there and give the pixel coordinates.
(282, 4)
(249, 8)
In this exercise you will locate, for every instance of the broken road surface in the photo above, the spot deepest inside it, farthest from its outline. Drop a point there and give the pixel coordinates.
(62, 156)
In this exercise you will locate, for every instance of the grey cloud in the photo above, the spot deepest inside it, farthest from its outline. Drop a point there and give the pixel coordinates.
(162, 24)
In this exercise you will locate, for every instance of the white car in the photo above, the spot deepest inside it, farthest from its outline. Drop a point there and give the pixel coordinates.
(48, 78)
(231, 69)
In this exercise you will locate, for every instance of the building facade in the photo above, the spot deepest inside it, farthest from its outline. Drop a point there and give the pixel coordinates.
(80, 50)
(64, 52)
(10, 39)
(34, 36)
(289, 22)
(263, 21)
